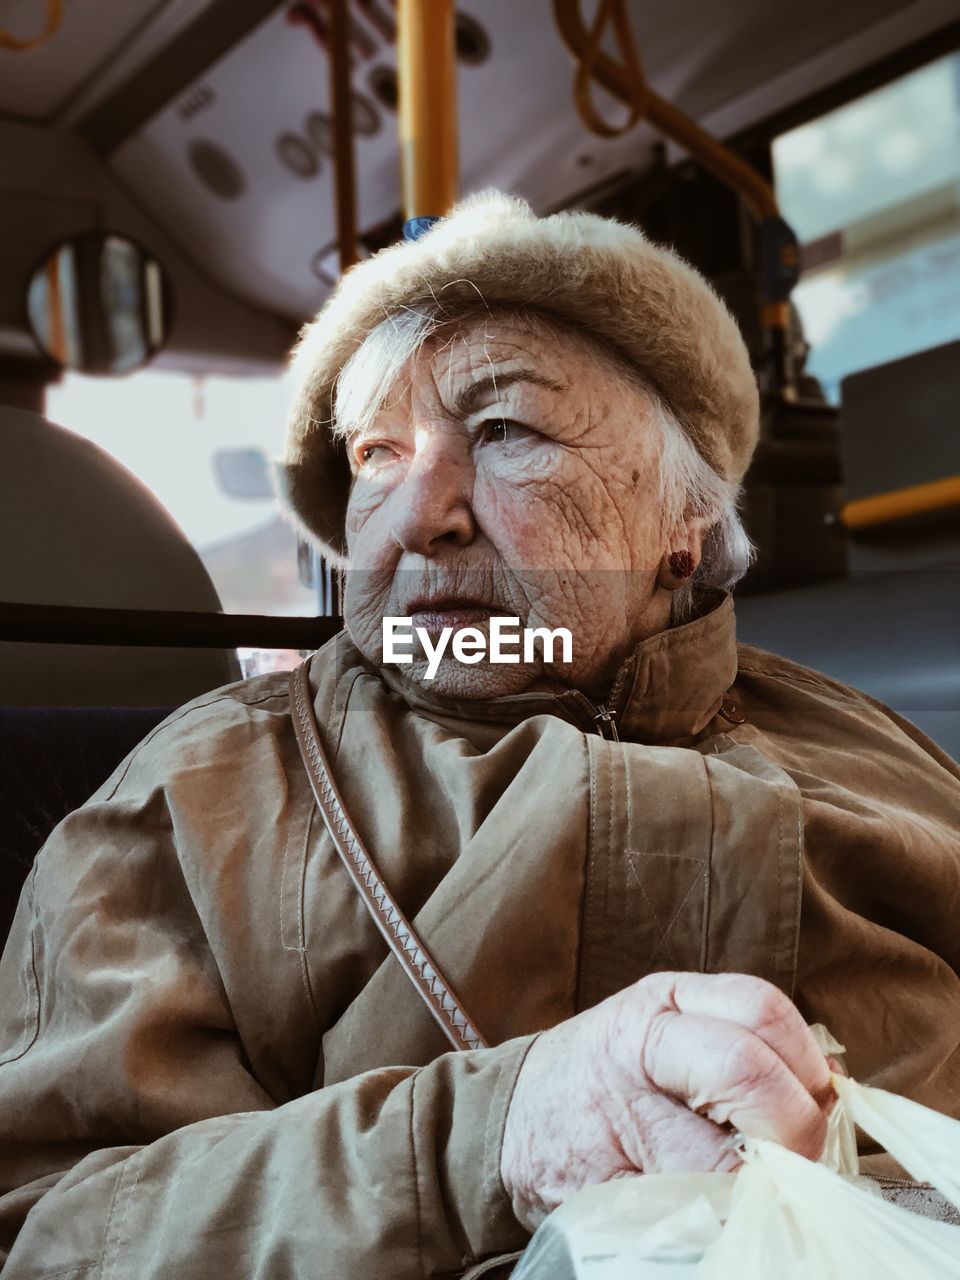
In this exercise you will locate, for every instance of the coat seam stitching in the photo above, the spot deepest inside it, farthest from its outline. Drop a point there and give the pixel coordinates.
(589, 886)
(665, 857)
(67, 1271)
(175, 718)
(842, 693)
(798, 898)
(343, 715)
(108, 1250)
(664, 939)
(421, 1261)
(31, 992)
(708, 870)
(283, 888)
(137, 1161)
(611, 760)
(304, 967)
(781, 922)
(608, 860)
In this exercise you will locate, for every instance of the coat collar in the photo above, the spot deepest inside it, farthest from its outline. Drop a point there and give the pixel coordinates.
(669, 688)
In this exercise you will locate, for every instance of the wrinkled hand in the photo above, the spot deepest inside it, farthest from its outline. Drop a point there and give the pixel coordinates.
(647, 1080)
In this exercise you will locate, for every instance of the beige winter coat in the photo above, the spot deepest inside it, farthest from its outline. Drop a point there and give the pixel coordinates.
(211, 1067)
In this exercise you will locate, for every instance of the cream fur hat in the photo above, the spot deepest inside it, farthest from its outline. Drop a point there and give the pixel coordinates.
(595, 273)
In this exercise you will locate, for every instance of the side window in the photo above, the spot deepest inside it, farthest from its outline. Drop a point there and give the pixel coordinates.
(873, 192)
(203, 446)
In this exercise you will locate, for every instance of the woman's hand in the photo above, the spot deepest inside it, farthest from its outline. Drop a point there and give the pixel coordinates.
(654, 1080)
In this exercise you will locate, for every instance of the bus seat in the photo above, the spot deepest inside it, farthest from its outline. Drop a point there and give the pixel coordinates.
(52, 760)
(78, 529)
(896, 636)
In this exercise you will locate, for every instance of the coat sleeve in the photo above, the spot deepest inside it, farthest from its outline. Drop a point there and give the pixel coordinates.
(136, 1140)
(879, 945)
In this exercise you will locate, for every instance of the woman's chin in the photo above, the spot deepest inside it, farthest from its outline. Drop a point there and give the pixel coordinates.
(475, 682)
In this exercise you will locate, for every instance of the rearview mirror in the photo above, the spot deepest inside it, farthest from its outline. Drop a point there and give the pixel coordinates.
(99, 303)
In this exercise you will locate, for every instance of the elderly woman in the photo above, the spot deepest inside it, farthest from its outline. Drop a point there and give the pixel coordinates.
(628, 874)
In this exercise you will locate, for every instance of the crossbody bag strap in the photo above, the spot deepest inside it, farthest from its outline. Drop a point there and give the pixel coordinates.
(403, 940)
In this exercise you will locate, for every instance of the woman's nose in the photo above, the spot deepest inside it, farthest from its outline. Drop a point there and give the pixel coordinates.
(433, 506)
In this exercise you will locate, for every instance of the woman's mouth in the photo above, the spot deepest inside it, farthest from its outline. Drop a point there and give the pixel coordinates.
(434, 615)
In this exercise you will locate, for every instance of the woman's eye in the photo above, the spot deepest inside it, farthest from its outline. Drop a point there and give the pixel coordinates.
(373, 452)
(502, 431)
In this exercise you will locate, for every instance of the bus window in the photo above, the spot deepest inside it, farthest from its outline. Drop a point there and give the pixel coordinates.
(873, 192)
(182, 437)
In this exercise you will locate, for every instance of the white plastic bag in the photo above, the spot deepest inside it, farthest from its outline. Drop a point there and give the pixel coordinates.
(779, 1216)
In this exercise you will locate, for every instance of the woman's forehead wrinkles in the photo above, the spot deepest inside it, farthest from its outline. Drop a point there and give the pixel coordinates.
(472, 394)
(480, 362)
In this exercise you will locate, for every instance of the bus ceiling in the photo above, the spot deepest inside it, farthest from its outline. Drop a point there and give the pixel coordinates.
(202, 138)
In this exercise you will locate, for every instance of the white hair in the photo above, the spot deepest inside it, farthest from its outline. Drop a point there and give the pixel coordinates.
(689, 488)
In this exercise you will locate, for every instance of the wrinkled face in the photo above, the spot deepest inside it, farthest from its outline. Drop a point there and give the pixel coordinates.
(509, 473)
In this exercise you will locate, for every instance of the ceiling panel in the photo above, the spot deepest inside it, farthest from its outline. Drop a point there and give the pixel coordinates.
(39, 84)
(242, 158)
(238, 165)
(702, 55)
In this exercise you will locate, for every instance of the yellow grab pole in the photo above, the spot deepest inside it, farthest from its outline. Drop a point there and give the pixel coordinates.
(58, 335)
(342, 106)
(428, 106)
(918, 499)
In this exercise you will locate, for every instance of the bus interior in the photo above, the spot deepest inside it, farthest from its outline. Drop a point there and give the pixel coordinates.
(179, 194)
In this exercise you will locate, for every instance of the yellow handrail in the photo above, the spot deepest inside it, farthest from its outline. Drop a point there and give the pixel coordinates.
(915, 500)
(623, 83)
(627, 82)
(22, 44)
(428, 106)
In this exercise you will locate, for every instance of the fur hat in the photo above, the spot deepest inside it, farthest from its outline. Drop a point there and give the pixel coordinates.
(595, 273)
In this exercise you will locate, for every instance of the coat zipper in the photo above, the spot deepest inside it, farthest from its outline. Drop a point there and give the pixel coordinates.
(603, 715)
(606, 718)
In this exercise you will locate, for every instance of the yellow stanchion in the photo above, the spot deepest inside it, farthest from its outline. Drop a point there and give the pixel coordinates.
(428, 106)
(342, 106)
(57, 336)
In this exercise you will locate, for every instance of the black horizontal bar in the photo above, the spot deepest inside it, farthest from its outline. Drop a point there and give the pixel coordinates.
(167, 629)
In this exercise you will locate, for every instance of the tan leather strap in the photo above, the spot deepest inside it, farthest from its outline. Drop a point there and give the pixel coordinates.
(402, 938)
